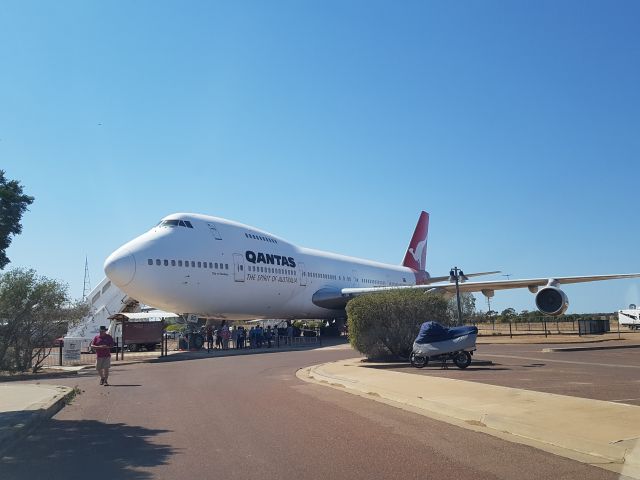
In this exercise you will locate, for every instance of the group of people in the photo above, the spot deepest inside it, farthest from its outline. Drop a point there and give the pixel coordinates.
(239, 337)
(221, 337)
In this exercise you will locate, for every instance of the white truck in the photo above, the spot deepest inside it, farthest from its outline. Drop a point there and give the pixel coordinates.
(630, 317)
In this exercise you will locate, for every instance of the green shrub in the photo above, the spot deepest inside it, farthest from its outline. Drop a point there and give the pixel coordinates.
(386, 324)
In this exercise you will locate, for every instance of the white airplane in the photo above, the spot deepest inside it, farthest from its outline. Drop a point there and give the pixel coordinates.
(211, 267)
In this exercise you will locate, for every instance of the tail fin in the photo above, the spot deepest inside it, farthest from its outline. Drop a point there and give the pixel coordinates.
(416, 256)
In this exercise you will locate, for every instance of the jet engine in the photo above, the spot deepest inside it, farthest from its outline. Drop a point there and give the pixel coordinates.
(552, 301)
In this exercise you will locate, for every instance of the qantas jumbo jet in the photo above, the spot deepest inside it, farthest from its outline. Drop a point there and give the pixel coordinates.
(217, 268)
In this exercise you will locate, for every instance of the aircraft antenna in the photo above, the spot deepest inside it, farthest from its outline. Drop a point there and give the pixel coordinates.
(86, 288)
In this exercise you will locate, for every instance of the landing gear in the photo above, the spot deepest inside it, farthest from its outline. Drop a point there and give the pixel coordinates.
(197, 341)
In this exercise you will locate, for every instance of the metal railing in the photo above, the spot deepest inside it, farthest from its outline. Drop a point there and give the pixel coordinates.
(56, 356)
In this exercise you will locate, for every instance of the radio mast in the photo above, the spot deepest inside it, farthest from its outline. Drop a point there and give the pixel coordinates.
(86, 288)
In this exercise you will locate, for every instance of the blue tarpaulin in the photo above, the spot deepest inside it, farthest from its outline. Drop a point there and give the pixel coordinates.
(431, 332)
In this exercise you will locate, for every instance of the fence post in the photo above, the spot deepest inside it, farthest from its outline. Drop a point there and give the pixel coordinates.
(60, 347)
(544, 325)
(510, 333)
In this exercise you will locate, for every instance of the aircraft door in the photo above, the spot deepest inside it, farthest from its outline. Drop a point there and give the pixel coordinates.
(214, 231)
(303, 275)
(238, 265)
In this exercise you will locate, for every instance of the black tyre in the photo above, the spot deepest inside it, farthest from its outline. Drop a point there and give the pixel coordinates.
(150, 347)
(462, 359)
(133, 347)
(197, 341)
(419, 361)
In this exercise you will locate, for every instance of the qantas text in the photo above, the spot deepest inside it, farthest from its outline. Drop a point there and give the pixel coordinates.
(269, 259)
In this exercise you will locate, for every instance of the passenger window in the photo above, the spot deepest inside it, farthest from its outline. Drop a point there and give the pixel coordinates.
(210, 265)
(193, 264)
(166, 263)
(173, 263)
(158, 262)
(150, 261)
(226, 266)
(216, 265)
(186, 263)
(179, 263)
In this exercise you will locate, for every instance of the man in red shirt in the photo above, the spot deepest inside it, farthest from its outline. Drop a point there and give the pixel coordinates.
(102, 344)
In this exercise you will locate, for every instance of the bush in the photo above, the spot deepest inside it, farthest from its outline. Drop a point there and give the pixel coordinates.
(32, 309)
(386, 324)
(175, 327)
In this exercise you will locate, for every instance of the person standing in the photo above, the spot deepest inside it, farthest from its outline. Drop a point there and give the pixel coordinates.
(209, 331)
(268, 336)
(102, 344)
(225, 335)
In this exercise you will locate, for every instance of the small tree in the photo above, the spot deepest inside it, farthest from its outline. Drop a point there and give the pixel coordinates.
(467, 305)
(507, 315)
(387, 323)
(13, 204)
(33, 312)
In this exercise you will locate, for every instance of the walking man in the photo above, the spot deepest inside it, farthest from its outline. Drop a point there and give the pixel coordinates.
(102, 344)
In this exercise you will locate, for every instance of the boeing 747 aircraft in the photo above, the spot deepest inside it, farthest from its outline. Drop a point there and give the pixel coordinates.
(217, 268)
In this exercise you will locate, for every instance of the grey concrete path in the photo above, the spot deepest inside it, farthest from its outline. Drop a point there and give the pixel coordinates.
(600, 433)
(24, 406)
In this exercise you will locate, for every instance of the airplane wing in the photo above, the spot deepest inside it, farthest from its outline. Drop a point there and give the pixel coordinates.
(532, 284)
(443, 278)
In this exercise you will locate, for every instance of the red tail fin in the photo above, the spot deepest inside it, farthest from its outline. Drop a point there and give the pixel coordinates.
(416, 256)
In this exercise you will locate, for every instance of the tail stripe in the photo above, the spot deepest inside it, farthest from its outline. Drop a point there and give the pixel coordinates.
(416, 256)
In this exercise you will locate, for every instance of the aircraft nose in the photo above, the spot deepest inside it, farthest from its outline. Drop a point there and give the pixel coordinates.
(120, 267)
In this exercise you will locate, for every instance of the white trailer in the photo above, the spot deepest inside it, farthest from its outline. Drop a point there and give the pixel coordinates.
(630, 317)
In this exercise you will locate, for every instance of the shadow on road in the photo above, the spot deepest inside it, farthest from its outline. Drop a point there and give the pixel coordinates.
(85, 449)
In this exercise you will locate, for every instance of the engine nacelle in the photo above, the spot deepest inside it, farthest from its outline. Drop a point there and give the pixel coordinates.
(552, 301)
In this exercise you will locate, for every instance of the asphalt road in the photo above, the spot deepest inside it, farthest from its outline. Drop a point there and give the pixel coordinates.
(612, 375)
(250, 417)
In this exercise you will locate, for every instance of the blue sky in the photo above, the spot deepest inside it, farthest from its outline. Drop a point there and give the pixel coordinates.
(332, 124)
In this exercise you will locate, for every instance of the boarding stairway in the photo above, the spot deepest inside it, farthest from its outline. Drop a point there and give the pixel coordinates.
(104, 300)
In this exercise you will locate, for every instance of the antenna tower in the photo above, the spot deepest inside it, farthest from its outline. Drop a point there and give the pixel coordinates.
(86, 288)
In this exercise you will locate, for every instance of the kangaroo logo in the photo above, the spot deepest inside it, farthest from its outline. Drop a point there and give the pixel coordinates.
(417, 253)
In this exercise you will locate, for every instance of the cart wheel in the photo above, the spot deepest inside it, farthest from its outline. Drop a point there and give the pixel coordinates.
(419, 361)
(462, 359)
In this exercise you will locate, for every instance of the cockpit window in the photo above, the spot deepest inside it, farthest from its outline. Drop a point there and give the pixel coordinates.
(175, 223)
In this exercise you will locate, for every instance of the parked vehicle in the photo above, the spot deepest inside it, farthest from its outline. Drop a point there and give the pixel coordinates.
(437, 342)
(630, 317)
